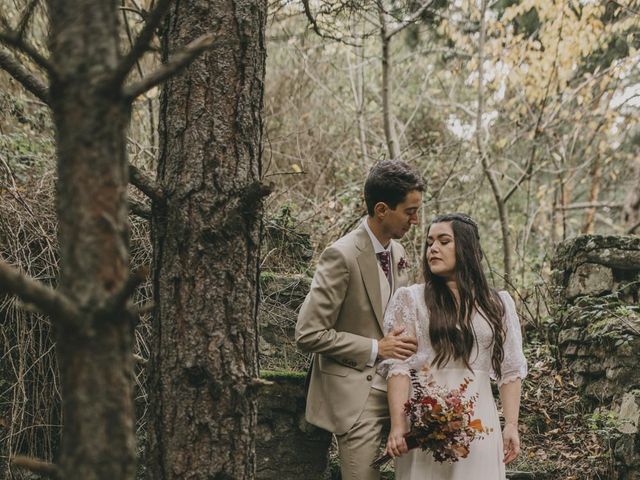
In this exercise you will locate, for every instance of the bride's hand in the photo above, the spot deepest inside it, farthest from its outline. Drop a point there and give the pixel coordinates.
(511, 440)
(396, 444)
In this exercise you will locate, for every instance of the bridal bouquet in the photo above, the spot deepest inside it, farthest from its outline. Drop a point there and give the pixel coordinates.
(441, 421)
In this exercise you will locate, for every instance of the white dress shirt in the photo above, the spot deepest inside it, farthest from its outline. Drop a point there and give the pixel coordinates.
(386, 289)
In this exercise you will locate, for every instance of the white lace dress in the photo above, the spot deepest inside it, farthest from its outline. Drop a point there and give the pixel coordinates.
(485, 460)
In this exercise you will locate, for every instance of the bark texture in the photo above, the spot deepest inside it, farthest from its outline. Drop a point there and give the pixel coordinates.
(206, 246)
(95, 355)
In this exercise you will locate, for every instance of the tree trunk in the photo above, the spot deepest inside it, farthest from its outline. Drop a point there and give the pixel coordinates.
(206, 248)
(501, 205)
(95, 360)
(631, 210)
(588, 226)
(387, 117)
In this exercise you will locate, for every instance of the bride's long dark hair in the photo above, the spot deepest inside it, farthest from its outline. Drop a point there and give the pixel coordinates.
(450, 327)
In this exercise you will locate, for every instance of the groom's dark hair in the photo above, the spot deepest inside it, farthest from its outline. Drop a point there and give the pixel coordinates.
(390, 181)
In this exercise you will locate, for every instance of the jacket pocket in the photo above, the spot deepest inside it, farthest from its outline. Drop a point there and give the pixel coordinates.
(331, 367)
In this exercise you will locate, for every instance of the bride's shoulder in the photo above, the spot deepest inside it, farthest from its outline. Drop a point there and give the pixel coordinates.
(415, 291)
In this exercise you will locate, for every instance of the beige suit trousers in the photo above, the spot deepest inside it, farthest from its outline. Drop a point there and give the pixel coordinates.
(361, 444)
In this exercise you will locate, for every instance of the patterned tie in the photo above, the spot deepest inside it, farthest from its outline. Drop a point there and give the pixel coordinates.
(385, 262)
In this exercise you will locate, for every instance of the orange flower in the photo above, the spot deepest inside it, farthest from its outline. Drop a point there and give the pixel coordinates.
(476, 424)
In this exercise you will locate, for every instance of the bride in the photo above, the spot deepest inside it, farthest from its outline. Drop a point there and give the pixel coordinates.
(464, 329)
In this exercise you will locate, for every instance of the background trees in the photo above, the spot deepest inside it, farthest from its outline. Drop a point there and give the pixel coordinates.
(556, 134)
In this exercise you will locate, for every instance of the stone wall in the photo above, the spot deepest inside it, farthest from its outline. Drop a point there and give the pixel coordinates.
(281, 297)
(596, 288)
(287, 447)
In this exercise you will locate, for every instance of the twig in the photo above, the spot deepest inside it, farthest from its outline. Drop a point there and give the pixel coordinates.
(142, 42)
(36, 465)
(139, 359)
(316, 27)
(179, 61)
(581, 205)
(145, 184)
(61, 309)
(31, 83)
(633, 228)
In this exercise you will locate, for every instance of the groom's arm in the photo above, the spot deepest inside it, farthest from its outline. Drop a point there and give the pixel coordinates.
(315, 330)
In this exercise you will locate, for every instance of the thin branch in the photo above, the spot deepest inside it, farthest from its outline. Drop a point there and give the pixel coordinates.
(117, 303)
(316, 27)
(631, 230)
(145, 184)
(409, 20)
(14, 68)
(140, 209)
(142, 42)
(583, 205)
(177, 62)
(14, 41)
(141, 13)
(26, 18)
(46, 299)
(37, 466)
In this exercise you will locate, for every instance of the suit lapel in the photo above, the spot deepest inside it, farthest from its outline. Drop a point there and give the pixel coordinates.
(369, 270)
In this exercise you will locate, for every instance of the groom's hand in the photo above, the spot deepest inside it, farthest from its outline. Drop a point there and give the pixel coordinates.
(396, 346)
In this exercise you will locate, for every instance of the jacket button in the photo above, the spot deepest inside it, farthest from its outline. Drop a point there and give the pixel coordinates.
(369, 378)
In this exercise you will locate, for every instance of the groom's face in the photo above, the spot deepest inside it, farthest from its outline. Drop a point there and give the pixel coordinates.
(397, 221)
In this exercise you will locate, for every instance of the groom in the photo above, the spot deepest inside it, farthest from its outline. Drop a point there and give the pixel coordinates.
(341, 320)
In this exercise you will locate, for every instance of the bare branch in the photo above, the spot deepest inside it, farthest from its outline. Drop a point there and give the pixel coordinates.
(117, 303)
(178, 62)
(631, 230)
(46, 299)
(14, 41)
(409, 20)
(139, 209)
(26, 18)
(139, 359)
(14, 68)
(316, 27)
(141, 44)
(145, 184)
(37, 466)
(141, 13)
(582, 205)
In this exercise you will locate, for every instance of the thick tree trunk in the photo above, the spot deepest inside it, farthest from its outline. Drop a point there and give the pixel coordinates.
(95, 359)
(206, 248)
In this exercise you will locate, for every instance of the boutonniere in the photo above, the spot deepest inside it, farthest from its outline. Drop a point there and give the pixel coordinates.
(402, 264)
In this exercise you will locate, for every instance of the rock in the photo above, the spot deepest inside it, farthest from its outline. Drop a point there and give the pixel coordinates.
(589, 279)
(629, 416)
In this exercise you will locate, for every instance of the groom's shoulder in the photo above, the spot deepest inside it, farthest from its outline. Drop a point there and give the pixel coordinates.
(348, 242)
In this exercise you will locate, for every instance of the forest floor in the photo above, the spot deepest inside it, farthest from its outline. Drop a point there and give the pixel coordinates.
(562, 438)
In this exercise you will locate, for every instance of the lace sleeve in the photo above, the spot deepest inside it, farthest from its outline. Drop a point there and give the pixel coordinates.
(514, 364)
(401, 312)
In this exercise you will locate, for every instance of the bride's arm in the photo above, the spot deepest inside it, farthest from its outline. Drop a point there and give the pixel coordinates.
(510, 398)
(397, 395)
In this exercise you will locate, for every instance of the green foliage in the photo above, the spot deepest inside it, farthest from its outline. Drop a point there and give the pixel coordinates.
(27, 155)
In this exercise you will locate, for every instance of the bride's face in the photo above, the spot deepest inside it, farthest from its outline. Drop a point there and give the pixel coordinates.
(441, 250)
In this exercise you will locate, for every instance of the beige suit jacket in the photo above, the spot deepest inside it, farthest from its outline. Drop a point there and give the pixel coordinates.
(338, 319)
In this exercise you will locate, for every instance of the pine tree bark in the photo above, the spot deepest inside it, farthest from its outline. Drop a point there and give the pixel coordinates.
(95, 357)
(206, 246)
